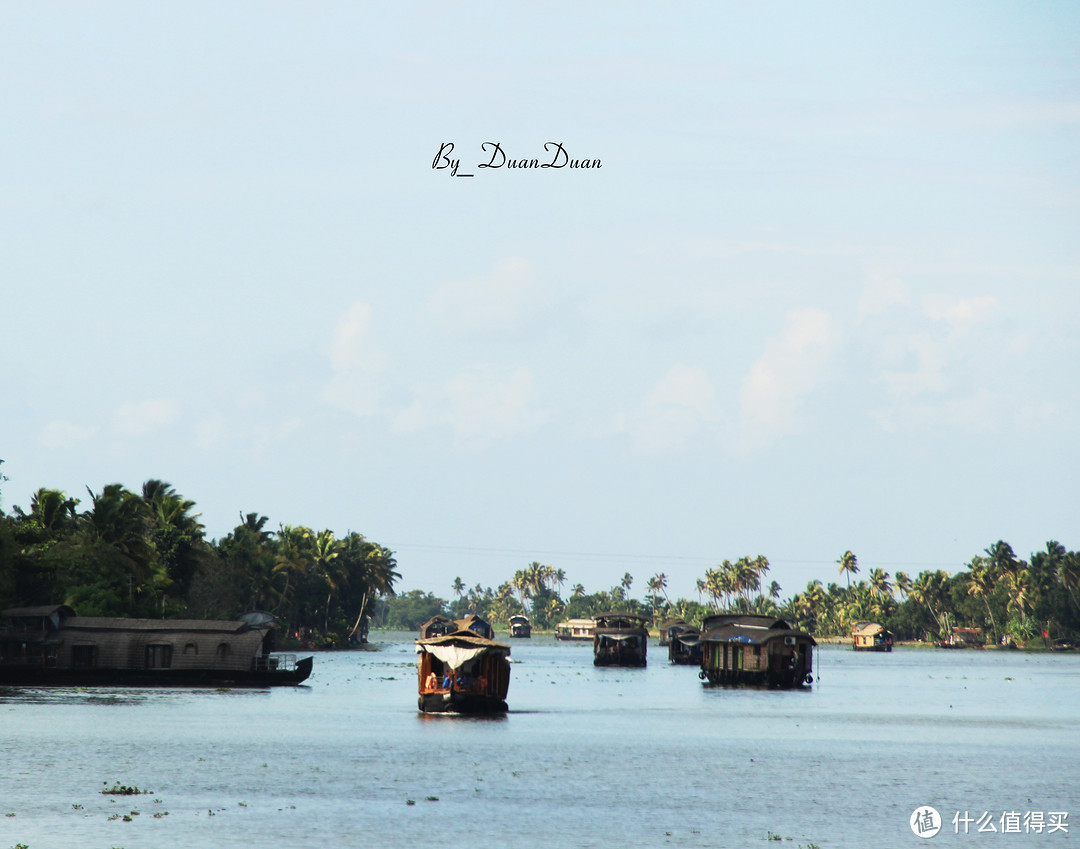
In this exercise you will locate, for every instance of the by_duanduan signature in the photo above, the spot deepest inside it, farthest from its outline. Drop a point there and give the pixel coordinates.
(493, 156)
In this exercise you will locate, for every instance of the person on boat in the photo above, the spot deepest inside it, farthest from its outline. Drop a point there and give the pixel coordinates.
(448, 678)
(432, 681)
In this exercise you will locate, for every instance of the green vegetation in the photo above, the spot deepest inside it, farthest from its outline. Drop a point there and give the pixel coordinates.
(1010, 599)
(145, 555)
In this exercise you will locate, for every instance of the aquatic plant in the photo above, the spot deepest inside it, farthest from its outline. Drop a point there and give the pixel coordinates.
(119, 789)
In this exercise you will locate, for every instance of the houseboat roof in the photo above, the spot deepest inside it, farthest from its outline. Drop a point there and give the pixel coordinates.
(70, 622)
(867, 629)
(632, 620)
(739, 633)
(718, 620)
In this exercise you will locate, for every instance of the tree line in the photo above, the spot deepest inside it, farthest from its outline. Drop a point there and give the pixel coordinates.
(1012, 600)
(145, 554)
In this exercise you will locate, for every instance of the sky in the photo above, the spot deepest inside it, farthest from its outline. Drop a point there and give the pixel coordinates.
(820, 294)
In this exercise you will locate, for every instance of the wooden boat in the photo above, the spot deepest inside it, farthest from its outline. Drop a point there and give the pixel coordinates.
(620, 639)
(462, 672)
(52, 647)
(964, 638)
(664, 629)
(871, 636)
(520, 626)
(436, 626)
(684, 646)
(575, 629)
(756, 650)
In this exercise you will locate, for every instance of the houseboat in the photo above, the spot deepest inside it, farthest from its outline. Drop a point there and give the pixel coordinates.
(575, 629)
(436, 626)
(756, 650)
(964, 638)
(462, 672)
(684, 646)
(871, 636)
(664, 629)
(51, 646)
(620, 639)
(520, 626)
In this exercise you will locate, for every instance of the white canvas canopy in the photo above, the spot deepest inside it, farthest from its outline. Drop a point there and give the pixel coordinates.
(457, 649)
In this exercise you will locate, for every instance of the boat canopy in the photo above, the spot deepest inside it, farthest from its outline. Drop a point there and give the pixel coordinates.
(460, 647)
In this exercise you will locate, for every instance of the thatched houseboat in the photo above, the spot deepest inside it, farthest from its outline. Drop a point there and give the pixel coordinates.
(871, 636)
(575, 629)
(757, 650)
(51, 646)
(620, 639)
(684, 646)
(520, 626)
(964, 638)
(436, 626)
(665, 629)
(462, 672)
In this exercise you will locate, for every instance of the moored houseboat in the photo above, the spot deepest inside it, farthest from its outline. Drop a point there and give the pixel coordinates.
(871, 636)
(520, 626)
(620, 639)
(51, 646)
(964, 638)
(462, 672)
(756, 650)
(575, 629)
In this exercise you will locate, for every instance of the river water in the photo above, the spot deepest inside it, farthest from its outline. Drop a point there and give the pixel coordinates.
(586, 757)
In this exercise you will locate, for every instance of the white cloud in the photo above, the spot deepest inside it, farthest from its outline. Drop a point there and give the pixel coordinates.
(960, 314)
(880, 294)
(496, 302)
(353, 346)
(356, 362)
(479, 406)
(679, 407)
(784, 375)
(144, 417)
(61, 434)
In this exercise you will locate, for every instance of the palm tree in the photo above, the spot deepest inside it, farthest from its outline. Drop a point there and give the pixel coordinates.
(879, 583)
(981, 585)
(903, 584)
(849, 565)
(458, 587)
(627, 581)
(51, 509)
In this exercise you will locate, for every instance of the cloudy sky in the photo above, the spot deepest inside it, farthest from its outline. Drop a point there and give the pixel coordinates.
(821, 294)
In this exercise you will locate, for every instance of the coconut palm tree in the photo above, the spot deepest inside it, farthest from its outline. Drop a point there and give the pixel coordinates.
(903, 584)
(981, 585)
(879, 583)
(849, 565)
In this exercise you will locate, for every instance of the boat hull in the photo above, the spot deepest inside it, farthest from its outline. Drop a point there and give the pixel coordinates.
(464, 703)
(37, 676)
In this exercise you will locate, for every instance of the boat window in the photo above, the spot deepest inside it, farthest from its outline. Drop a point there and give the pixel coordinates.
(84, 657)
(191, 648)
(158, 656)
(223, 650)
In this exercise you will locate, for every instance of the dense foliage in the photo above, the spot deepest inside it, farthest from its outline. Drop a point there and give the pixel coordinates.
(146, 555)
(1009, 599)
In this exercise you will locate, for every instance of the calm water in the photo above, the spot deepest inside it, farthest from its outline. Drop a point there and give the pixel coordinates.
(586, 757)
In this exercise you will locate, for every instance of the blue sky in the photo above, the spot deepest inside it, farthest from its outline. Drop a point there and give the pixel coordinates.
(822, 293)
